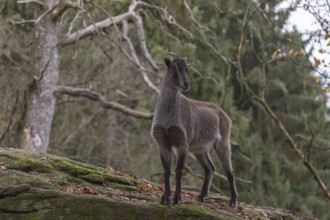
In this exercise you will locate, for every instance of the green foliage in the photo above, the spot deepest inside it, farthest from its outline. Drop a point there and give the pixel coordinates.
(268, 172)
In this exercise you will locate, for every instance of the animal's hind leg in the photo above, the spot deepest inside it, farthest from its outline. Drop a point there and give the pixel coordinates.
(224, 153)
(177, 136)
(206, 162)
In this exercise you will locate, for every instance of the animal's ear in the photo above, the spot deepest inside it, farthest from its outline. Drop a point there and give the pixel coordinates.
(167, 62)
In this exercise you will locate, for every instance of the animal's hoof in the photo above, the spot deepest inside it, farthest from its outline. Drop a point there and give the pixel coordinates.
(165, 200)
(232, 203)
(200, 198)
(177, 199)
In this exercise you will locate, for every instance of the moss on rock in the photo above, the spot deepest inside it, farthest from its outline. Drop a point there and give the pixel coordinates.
(91, 175)
(42, 186)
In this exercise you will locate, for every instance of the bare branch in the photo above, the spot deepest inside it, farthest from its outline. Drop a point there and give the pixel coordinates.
(204, 39)
(139, 24)
(168, 18)
(189, 170)
(310, 143)
(102, 100)
(135, 58)
(73, 22)
(39, 2)
(61, 8)
(93, 28)
(11, 117)
(272, 115)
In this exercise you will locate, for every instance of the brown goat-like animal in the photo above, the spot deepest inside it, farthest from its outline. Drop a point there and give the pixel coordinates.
(189, 126)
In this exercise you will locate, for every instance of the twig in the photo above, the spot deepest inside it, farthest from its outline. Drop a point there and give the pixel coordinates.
(11, 117)
(204, 41)
(168, 18)
(310, 143)
(187, 168)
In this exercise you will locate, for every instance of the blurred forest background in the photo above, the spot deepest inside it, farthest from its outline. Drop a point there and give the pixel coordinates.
(123, 63)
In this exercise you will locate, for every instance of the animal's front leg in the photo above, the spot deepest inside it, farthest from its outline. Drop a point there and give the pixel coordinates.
(159, 134)
(166, 158)
(182, 155)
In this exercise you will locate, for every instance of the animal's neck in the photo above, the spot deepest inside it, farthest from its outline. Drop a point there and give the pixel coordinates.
(169, 103)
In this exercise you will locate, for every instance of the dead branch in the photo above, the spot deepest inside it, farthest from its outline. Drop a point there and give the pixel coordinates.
(102, 100)
(93, 28)
(262, 101)
(39, 2)
(133, 57)
(141, 36)
(11, 117)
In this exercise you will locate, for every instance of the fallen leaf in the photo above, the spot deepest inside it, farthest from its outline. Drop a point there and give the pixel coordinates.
(87, 190)
(2, 168)
(143, 186)
(317, 80)
(66, 189)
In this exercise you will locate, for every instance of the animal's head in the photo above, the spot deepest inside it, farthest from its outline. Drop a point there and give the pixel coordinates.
(177, 72)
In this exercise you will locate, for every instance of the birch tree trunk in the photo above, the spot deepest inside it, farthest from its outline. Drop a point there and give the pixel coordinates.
(41, 99)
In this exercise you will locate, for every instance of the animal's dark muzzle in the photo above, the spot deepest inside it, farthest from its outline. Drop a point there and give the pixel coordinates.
(185, 87)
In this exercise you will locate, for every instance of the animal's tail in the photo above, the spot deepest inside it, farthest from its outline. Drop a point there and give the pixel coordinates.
(223, 148)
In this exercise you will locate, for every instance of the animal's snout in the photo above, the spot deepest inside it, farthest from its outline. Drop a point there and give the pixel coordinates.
(186, 86)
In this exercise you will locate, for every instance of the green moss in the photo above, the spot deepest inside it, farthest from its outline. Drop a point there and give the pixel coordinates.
(123, 187)
(120, 180)
(90, 175)
(70, 168)
(7, 161)
(185, 210)
(25, 164)
(94, 178)
(28, 165)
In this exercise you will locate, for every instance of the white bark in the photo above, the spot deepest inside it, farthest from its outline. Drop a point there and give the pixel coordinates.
(41, 99)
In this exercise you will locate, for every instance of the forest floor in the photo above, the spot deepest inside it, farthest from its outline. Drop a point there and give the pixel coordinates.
(43, 186)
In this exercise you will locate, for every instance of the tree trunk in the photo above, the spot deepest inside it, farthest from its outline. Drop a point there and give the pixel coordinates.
(41, 99)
